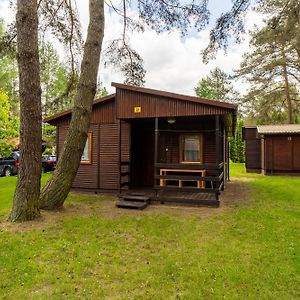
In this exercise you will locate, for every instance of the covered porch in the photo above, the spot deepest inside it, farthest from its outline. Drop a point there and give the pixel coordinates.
(174, 159)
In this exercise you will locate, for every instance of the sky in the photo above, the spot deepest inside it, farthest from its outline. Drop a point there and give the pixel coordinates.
(172, 63)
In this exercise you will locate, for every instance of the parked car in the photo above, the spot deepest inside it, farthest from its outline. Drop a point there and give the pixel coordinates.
(9, 165)
(48, 163)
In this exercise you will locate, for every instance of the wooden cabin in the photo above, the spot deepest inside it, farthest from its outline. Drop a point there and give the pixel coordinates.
(273, 149)
(171, 147)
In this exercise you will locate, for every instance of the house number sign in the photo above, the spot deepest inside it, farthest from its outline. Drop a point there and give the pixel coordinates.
(137, 109)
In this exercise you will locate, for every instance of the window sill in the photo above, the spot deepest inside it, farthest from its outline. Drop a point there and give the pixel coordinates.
(85, 162)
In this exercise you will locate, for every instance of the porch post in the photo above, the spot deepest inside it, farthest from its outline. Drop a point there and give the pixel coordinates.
(120, 154)
(155, 148)
(228, 159)
(224, 146)
(218, 148)
(218, 151)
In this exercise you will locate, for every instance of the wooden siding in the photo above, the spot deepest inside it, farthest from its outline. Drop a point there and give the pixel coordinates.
(109, 156)
(103, 172)
(103, 113)
(63, 121)
(169, 138)
(296, 152)
(158, 106)
(253, 150)
(87, 173)
(282, 153)
(209, 153)
(125, 141)
(168, 151)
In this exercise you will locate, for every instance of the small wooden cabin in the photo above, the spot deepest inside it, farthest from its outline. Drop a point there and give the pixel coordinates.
(273, 149)
(173, 146)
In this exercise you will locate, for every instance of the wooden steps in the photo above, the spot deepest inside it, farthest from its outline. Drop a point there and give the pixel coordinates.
(133, 200)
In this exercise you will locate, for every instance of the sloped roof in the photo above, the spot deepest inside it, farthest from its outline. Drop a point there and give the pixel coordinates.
(69, 111)
(175, 96)
(214, 103)
(278, 129)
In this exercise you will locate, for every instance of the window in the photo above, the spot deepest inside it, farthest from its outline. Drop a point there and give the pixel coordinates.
(191, 148)
(86, 157)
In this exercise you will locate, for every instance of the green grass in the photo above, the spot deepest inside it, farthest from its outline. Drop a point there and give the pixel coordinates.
(250, 251)
(7, 188)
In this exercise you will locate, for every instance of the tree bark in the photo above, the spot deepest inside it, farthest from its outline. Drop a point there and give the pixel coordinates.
(287, 91)
(25, 204)
(57, 188)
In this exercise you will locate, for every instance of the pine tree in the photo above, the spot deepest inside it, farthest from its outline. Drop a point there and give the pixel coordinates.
(273, 66)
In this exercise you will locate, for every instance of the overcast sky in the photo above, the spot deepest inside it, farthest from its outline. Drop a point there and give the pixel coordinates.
(172, 63)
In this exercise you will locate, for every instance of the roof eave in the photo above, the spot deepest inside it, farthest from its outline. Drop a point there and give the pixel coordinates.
(203, 101)
(69, 111)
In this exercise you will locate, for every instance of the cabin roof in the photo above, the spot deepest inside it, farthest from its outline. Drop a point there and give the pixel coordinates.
(278, 129)
(69, 111)
(175, 96)
(142, 90)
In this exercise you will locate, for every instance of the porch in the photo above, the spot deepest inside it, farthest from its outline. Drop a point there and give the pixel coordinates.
(182, 160)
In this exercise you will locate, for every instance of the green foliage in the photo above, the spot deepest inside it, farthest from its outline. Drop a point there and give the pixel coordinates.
(57, 81)
(101, 91)
(49, 136)
(248, 251)
(237, 145)
(272, 65)
(217, 86)
(8, 125)
(9, 74)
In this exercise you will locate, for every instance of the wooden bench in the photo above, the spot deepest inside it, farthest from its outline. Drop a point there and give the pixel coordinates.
(200, 183)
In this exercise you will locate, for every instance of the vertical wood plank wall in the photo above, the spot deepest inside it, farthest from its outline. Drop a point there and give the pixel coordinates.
(103, 172)
(87, 173)
(282, 153)
(253, 150)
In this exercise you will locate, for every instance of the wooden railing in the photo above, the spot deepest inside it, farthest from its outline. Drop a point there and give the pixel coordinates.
(124, 174)
(213, 182)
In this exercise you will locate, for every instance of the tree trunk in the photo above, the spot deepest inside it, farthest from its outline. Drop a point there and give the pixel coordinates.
(287, 91)
(57, 188)
(26, 198)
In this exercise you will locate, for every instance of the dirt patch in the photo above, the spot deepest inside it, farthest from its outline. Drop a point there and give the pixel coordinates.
(236, 194)
(48, 218)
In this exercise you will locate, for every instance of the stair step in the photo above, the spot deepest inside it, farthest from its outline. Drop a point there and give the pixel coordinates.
(131, 204)
(136, 198)
(136, 194)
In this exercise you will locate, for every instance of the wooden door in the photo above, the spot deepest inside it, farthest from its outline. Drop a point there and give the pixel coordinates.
(142, 153)
(282, 153)
(296, 153)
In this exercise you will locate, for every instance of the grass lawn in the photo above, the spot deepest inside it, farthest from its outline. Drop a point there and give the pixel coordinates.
(95, 251)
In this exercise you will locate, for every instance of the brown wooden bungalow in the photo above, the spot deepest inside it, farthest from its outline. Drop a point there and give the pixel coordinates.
(147, 144)
(273, 149)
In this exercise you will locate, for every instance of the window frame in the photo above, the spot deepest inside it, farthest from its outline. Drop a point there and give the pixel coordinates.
(181, 141)
(89, 160)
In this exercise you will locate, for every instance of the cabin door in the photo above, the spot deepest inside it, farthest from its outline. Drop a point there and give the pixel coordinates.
(142, 153)
(282, 153)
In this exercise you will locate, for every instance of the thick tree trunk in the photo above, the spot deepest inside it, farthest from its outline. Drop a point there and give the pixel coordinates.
(57, 188)
(25, 206)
